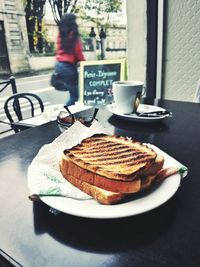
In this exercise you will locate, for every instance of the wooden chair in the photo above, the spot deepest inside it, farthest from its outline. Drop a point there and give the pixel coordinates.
(14, 110)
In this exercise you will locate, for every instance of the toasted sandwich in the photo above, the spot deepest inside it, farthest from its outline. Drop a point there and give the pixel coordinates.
(110, 167)
(114, 157)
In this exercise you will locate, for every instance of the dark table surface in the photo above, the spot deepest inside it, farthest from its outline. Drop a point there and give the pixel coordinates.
(166, 236)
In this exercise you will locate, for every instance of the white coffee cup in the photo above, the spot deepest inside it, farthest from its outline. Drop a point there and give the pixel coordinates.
(127, 95)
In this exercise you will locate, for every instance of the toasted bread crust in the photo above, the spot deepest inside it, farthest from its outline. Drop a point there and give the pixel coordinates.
(114, 157)
(102, 196)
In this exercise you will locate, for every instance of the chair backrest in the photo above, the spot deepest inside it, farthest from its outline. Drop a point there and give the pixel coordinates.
(6, 83)
(14, 103)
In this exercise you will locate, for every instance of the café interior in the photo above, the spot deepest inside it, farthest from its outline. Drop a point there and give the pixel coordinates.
(47, 221)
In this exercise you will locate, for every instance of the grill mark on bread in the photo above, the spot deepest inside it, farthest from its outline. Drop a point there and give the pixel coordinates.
(110, 140)
(111, 156)
(101, 140)
(118, 148)
(102, 153)
(120, 166)
(94, 140)
(104, 145)
(108, 153)
(115, 157)
(120, 161)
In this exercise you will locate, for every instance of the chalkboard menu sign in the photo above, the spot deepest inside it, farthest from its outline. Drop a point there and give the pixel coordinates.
(96, 78)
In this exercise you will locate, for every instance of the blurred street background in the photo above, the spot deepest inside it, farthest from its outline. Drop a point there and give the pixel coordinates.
(38, 84)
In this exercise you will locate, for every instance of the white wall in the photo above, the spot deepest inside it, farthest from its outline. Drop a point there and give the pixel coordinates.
(181, 58)
(182, 44)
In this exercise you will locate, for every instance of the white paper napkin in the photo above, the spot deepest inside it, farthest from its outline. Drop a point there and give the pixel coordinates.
(44, 176)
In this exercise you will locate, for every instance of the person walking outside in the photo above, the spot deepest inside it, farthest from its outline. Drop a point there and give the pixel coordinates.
(68, 54)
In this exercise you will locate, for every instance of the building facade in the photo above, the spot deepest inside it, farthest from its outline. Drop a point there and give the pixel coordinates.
(15, 56)
(14, 51)
(115, 41)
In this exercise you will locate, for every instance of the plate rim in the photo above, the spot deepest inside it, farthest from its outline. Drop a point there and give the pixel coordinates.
(112, 212)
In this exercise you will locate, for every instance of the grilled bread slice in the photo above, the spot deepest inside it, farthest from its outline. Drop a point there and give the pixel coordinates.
(114, 157)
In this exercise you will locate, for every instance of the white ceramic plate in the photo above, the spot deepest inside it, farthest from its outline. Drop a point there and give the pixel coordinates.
(139, 204)
(142, 108)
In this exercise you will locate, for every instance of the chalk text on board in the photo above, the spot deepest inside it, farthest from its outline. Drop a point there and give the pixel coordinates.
(100, 83)
(99, 74)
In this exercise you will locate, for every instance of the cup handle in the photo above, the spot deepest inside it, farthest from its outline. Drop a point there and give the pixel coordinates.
(143, 91)
(137, 101)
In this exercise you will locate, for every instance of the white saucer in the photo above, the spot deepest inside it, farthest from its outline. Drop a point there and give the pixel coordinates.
(141, 109)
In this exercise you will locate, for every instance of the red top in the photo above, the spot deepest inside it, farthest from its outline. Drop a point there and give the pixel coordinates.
(75, 57)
